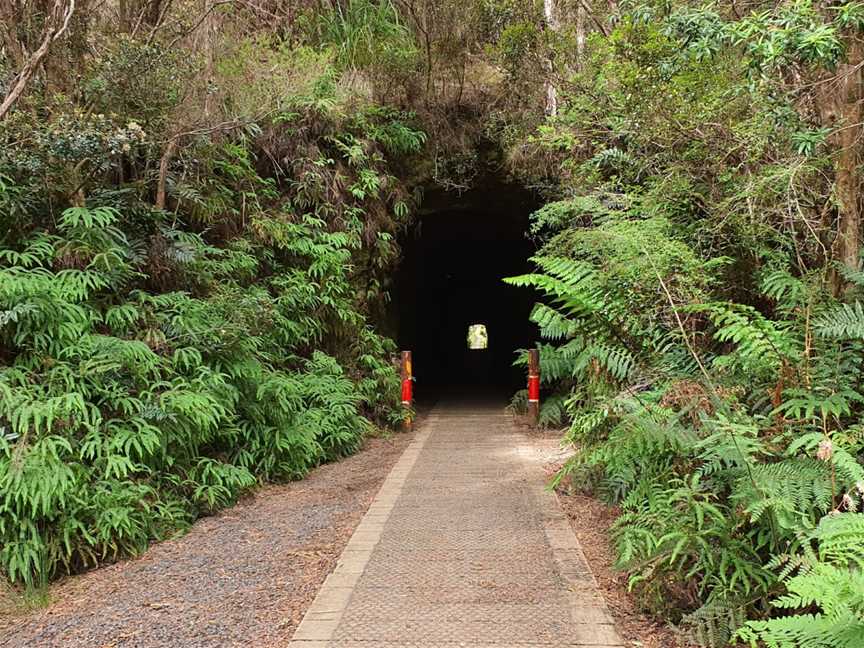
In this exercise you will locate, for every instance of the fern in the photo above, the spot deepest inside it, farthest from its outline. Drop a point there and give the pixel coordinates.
(844, 322)
(553, 412)
(759, 342)
(788, 291)
(559, 363)
(795, 492)
(715, 623)
(155, 370)
(834, 584)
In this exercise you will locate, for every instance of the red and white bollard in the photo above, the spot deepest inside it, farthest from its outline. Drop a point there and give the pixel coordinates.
(534, 385)
(407, 389)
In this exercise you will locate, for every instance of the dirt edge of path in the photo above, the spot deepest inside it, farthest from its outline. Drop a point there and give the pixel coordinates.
(591, 521)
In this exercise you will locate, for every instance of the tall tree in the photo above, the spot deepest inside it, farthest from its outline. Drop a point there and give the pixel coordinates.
(839, 103)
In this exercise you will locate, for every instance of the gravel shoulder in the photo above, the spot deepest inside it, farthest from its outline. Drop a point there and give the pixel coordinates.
(243, 577)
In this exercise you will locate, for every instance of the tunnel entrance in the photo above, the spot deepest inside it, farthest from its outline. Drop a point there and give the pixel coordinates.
(454, 259)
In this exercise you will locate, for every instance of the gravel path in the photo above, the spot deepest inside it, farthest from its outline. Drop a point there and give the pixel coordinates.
(462, 547)
(241, 578)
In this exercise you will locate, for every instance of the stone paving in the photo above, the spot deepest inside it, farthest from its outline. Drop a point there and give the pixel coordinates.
(461, 547)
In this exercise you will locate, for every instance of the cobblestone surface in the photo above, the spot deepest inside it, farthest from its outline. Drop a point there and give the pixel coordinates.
(462, 547)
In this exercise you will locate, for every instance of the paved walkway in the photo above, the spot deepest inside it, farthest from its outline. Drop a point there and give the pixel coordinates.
(461, 547)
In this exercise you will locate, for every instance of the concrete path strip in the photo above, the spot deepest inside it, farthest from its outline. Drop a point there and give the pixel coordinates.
(462, 547)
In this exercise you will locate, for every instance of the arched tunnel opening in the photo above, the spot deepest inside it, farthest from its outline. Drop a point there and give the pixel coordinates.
(450, 279)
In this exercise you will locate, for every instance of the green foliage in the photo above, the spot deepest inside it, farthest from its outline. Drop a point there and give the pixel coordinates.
(845, 321)
(156, 366)
(367, 33)
(156, 363)
(713, 490)
(517, 42)
(760, 345)
(797, 32)
(828, 578)
(709, 378)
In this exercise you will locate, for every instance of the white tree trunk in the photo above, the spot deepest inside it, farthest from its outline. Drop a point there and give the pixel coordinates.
(581, 20)
(551, 17)
(550, 13)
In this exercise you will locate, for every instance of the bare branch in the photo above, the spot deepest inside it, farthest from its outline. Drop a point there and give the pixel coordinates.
(171, 148)
(51, 33)
(594, 18)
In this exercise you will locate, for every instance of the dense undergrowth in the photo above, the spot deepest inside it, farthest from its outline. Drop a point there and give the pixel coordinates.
(172, 335)
(709, 378)
(199, 211)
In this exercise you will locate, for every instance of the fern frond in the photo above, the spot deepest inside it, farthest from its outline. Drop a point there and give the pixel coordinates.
(553, 324)
(715, 623)
(844, 322)
(793, 490)
(553, 411)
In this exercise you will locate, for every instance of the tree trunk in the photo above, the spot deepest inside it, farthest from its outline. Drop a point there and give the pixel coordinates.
(840, 107)
(210, 32)
(154, 13)
(581, 19)
(551, 17)
(164, 162)
(125, 16)
(9, 18)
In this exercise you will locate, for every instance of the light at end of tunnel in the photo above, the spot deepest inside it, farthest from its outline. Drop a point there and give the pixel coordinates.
(478, 339)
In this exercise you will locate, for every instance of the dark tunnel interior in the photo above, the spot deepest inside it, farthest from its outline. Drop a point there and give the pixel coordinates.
(454, 259)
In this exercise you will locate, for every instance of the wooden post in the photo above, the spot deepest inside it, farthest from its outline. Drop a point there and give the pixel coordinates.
(534, 385)
(407, 390)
